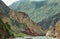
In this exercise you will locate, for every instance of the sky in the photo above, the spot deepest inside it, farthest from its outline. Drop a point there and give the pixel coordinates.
(9, 2)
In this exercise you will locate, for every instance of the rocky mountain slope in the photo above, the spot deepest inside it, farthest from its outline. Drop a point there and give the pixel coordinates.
(20, 23)
(57, 26)
(50, 21)
(21, 17)
(39, 10)
(45, 15)
(3, 8)
(32, 8)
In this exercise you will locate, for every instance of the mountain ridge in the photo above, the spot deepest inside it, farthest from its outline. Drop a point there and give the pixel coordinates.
(50, 21)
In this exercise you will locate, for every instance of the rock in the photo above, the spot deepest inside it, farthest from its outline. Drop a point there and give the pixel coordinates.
(49, 33)
(57, 29)
(31, 27)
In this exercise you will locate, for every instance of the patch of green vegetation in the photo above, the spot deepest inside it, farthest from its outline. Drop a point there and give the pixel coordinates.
(20, 35)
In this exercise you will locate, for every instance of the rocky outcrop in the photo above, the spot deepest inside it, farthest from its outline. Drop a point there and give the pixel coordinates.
(57, 26)
(19, 21)
(57, 29)
(54, 30)
(31, 27)
(49, 33)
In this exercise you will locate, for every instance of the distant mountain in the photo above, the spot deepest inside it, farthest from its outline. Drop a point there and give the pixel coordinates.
(45, 15)
(50, 21)
(38, 10)
(51, 8)
(32, 8)
(27, 4)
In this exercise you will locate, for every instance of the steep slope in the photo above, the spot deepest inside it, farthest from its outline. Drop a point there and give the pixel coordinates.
(30, 7)
(36, 11)
(5, 30)
(3, 8)
(57, 26)
(57, 29)
(20, 23)
(31, 28)
(53, 9)
(50, 21)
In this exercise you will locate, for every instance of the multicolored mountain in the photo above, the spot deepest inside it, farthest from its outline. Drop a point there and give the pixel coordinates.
(29, 18)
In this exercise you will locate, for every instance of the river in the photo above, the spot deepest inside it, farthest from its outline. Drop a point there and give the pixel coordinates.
(37, 37)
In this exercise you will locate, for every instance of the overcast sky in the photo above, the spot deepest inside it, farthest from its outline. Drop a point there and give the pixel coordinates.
(9, 2)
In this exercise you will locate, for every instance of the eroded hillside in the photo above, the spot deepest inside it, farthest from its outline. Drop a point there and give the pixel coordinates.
(19, 23)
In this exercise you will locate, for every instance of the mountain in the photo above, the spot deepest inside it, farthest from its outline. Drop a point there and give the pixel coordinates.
(17, 23)
(37, 10)
(50, 21)
(57, 29)
(5, 30)
(30, 7)
(57, 26)
(44, 13)
(27, 4)
(29, 26)
(3, 8)
(51, 8)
